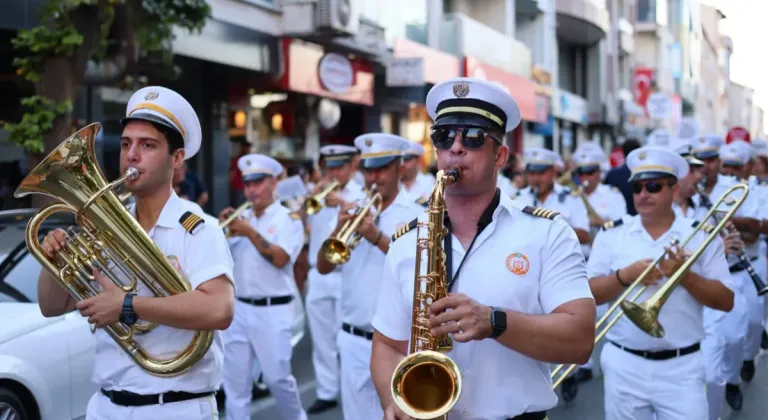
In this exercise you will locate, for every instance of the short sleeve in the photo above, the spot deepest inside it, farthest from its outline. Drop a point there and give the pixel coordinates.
(714, 265)
(563, 276)
(579, 216)
(600, 257)
(290, 238)
(393, 311)
(207, 256)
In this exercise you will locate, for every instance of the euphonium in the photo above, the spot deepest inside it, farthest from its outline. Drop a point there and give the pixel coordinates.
(108, 239)
(338, 249)
(427, 383)
(314, 203)
(226, 222)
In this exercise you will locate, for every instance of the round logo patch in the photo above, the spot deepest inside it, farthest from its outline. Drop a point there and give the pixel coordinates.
(174, 260)
(518, 263)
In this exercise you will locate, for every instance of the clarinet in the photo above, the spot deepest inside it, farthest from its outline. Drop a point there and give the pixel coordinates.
(743, 260)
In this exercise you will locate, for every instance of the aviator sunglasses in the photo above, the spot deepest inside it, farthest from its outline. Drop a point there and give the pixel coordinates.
(471, 137)
(652, 187)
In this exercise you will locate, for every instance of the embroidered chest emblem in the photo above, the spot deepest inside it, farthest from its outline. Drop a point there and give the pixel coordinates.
(271, 230)
(517, 263)
(174, 260)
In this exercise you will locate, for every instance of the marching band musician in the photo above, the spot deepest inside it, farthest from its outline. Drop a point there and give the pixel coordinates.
(646, 376)
(160, 131)
(543, 191)
(416, 182)
(381, 159)
(516, 276)
(265, 243)
(324, 290)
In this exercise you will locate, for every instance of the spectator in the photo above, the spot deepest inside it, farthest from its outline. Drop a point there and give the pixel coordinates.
(236, 185)
(188, 186)
(619, 176)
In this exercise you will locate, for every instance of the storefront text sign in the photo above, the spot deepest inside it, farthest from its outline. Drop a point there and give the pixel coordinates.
(403, 72)
(336, 72)
(521, 88)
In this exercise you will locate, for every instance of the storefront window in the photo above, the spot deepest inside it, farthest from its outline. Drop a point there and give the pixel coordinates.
(400, 18)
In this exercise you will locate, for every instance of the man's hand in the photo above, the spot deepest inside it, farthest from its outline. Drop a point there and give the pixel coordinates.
(733, 243)
(367, 229)
(225, 213)
(333, 200)
(344, 216)
(103, 309)
(674, 259)
(239, 227)
(467, 319)
(392, 412)
(596, 221)
(631, 272)
(54, 241)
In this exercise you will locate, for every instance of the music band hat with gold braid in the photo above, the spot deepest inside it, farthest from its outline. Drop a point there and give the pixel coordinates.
(708, 146)
(539, 159)
(651, 162)
(468, 102)
(379, 149)
(735, 153)
(414, 150)
(335, 155)
(166, 107)
(254, 167)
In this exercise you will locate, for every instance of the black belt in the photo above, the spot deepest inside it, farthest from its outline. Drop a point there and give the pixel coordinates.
(661, 354)
(129, 399)
(538, 415)
(740, 266)
(356, 331)
(267, 301)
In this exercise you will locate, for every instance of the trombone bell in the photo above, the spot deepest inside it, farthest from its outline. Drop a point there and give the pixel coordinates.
(644, 317)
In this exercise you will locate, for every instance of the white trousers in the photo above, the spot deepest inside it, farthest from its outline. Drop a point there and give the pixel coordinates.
(735, 325)
(323, 315)
(263, 333)
(641, 389)
(101, 408)
(713, 350)
(359, 399)
(751, 345)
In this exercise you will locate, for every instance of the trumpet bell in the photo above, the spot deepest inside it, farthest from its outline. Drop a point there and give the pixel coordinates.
(336, 251)
(644, 316)
(426, 385)
(312, 206)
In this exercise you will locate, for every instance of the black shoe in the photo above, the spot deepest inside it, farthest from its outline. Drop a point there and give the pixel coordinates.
(260, 389)
(583, 375)
(764, 341)
(569, 389)
(733, 396)
(748, 371)
(321, 405)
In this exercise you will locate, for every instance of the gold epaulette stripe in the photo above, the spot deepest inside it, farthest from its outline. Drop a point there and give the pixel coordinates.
(295, 216)
(405, 229)
(540, 212)
(612, 224)
(190, 221)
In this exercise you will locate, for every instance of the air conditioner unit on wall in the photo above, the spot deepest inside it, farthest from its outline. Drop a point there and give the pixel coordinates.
(322, 17)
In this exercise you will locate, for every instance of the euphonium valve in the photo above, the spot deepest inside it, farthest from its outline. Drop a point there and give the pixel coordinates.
(427, 383)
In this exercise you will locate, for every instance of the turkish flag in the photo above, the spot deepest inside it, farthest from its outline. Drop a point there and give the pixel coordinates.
(737, 133)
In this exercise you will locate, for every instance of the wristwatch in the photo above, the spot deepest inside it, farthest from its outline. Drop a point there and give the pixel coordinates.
(498, 321)
(127, 315)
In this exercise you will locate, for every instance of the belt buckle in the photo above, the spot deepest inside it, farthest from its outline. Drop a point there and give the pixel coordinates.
(678, 352)
(269, 301)
(160, 399)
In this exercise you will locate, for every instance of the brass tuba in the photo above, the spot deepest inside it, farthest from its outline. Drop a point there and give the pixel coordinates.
(226, 222)
(427, 383)
(314, 203)
(337, 250)
(107, 238)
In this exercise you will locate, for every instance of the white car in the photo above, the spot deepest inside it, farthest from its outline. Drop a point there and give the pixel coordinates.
(46, 363)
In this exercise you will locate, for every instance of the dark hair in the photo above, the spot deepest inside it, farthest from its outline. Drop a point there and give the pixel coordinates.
(629, 145)
(174, 138)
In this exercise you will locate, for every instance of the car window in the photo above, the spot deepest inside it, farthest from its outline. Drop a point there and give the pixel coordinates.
(21, 278)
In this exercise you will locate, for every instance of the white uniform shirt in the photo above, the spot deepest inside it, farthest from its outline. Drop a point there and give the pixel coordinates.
(560, 200)
(609, 205)
(254, 275)
(362, 274)
(505, 185)
(201, 256)
(518, 262)
(681, 315)
(421, 187)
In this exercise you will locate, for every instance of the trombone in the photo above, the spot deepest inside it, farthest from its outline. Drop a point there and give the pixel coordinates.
(338, 249)
(645, 315)
(226, 222)
(314, 203)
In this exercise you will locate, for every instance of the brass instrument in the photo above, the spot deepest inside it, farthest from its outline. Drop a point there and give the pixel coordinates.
(623, 300)
(231, 218)
(337, 250)
(107, 238)
(567, 181)
(427, 383)
(566, 178)
(314, 203)
(124, 197)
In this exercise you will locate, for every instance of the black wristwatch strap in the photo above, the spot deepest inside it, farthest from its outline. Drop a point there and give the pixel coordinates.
(498, 322)
(127, 315)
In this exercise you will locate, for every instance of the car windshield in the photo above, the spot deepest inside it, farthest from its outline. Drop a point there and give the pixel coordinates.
(19, 284)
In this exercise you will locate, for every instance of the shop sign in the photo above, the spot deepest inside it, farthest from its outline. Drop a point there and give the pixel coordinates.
(336, 72)
(659, 106)
(570, 107)
(522, 89)
(437, 66)
(403, 72)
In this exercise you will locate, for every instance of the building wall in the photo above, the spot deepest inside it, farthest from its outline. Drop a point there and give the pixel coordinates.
(498, 14)
(709, 112)
(740, 106)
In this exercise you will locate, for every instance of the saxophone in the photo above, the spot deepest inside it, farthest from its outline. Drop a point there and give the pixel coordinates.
(427, 383)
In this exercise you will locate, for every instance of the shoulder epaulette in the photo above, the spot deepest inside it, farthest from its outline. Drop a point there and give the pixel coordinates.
(540, 212)
(190, 221)
(295, 216)
(615, 189)
(706, 228)
(422, 201)
(563, 194)
(612, 224)
(405, 229)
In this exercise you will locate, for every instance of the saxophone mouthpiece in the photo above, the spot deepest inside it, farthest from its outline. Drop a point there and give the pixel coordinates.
(453, 174)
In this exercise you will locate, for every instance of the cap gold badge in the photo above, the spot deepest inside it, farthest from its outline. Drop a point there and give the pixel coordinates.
(152, 95)
(642, 155)
(460, 89)
(368, 142)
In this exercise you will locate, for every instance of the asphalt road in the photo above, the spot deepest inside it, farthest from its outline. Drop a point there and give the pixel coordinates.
(587, 406)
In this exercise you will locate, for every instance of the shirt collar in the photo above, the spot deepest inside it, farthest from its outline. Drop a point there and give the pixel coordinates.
(491, 212)
(269, 210)
(678, 225)
(170, 214)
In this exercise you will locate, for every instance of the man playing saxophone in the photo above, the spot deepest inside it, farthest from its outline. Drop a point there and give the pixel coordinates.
(515, 274)
(160, 131)
(361, 276)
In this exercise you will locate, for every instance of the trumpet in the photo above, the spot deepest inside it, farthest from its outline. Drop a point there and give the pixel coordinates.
(314, 203)
(647, 313)
(337, 250)
(231, 218)
(427, 383)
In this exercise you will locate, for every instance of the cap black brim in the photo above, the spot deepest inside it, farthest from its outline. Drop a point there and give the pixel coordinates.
(709, 154)
(465, 120)
(537, 167)
(148, 117)
(335, 163)
(587, 168)
(650, 175)
(378, 162)
(731, 162)
(254, 177)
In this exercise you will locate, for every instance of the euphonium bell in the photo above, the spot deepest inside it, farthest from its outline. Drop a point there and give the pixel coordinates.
(314, 203)
(109, 239)
(337, 250)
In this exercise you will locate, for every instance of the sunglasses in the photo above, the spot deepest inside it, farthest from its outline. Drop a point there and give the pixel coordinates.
(471, 137)
(652, 187)
(586, 171)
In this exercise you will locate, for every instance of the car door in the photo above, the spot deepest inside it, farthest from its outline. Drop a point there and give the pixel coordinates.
(81, 344)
